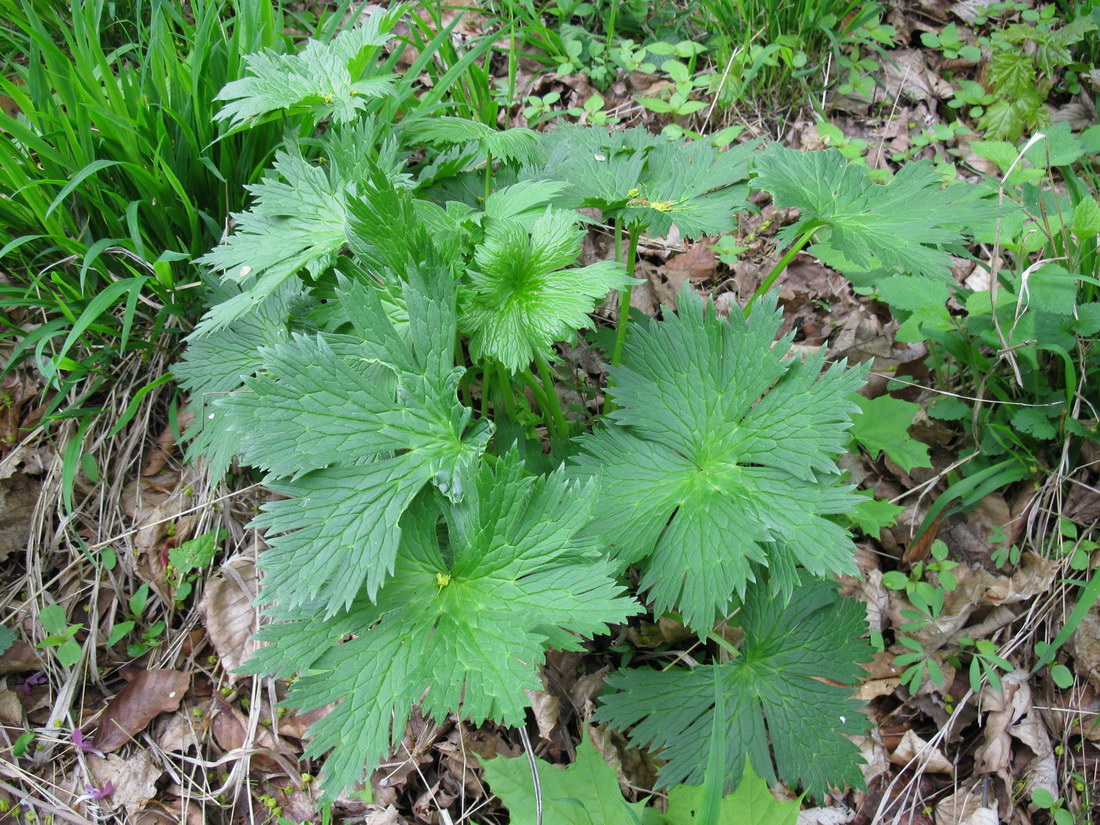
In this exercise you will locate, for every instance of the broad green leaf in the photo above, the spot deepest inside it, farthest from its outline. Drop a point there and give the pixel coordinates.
(518, 145)
(781, 695)
(911, 292)
(8, 637)
(903, 225)
(1011, 71)
(722, 454)
(461, 626)
(521, 298)
(1086, 218)
(883, 426)
(583, 793)
(751, 804)
(351, 430)
(650, 182)
(330, 79)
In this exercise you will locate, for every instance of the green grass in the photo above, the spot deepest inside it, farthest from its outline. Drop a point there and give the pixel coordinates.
(114, 171)
(769, 49)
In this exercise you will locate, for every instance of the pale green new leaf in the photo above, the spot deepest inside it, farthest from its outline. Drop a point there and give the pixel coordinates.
(327, 78)
(780, 691)
(466, 622)
(521, 298)
(722, 455)
(583, 793)
(359, 427)
(903, 225)
(751, 804)
(515, 145)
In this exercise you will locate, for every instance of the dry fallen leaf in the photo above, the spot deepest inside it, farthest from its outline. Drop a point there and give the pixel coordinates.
(546, 708)
(150, 693)
(19, 658)
(231, 617)
(1085, 644)
(18, 497)
(134, 779)
(11, 709)
(1005, 706)
(964, 807)
(912, 747)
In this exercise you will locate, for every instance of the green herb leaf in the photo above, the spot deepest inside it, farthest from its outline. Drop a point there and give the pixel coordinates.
(902, 225)
(466, 621)
(722, 455)
(583, 793)
(883, 426)
(351, 432)
(521, 298)
(518, 145)
(330, 79)
(8, 637)
(752, 802)
(773, 693)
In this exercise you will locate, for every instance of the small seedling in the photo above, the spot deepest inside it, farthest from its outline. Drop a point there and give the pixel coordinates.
(61, 634)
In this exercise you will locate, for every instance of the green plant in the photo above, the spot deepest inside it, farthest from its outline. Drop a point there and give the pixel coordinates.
(148, 638)
(392, 367)
(948, 42)
(1044, 800)
(60, 634)
(193, 555)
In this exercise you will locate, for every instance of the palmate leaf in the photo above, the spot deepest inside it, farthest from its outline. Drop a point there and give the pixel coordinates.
(773, 692)
(351, 430)
(328, 78)
(648, 181)
(902, 225)
(521, 298)
(583, 793)
(467, 622)
(512, 145)
(722, 454)
(296, 222)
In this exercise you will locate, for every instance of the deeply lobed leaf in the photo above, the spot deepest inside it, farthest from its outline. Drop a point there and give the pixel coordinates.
(721, 456)
(774, 692)
(466, 620)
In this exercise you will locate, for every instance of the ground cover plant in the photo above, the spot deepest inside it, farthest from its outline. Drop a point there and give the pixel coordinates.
(555, 430)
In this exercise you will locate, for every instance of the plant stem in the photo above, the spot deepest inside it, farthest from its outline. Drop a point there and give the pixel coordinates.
(539, 393)
(784, 262)
(552, 398)
(505, 381)
(486, 373)
(618, 239)
(488, 176)
(624, 299)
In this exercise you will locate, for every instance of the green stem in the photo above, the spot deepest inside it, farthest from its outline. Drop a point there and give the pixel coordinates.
(777, 270)
(505, 381)
(618, 239)
(540, 399)
(486, 374)
(552, 398)
(488, 176)
(624, 299)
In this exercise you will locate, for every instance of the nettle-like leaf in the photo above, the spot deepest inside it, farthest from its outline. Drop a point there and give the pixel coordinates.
(790, 685)
(511, 145)
(298, 221)
(465, 619)
(521, 298)
(650, 182)
(216, 365)
(722, 455)
(351, 429)
(902, 225)
(330, 79)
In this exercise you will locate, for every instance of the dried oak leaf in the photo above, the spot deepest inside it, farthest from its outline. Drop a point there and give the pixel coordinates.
(133, 779)
(149, 693)
(231, 617)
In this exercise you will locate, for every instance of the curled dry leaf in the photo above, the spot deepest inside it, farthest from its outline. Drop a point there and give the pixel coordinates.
(964, 807)
(149, 693)
(546, 708)
(1007, 705)
(1085, 644)
(18, 497)
(19, 658)
(231, 617)
(913, 748)
(133, 779)
(11, 709)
